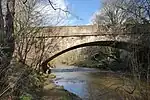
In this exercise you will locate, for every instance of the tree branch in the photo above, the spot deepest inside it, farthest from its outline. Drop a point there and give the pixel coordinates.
(66, 11)
(24, 2)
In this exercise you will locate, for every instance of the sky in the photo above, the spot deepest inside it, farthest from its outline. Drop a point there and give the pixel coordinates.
(84, 9)
(81, 11)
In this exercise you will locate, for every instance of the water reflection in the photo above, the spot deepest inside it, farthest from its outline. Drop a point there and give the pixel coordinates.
(75, 82)
(87, 85)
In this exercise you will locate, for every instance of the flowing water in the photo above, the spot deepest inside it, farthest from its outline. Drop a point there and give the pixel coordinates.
(89, 84)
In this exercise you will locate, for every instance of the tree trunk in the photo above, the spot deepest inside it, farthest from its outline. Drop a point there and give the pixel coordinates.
(6, 39)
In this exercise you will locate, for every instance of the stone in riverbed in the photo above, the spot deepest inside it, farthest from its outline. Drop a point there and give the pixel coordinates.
(60, 87)
(52, 76)
(49, 86)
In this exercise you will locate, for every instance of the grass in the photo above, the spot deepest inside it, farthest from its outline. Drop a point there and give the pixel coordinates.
(125, 87)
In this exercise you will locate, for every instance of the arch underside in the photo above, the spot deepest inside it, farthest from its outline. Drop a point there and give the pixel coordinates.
(115, 44)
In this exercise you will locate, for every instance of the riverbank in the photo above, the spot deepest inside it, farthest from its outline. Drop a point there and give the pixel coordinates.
(51, 91)
(104, 65)
(27, 84)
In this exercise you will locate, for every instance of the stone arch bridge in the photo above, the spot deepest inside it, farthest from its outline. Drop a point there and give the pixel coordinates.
(126, 37)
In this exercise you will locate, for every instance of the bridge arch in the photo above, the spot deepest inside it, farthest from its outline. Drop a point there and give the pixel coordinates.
(115, 44)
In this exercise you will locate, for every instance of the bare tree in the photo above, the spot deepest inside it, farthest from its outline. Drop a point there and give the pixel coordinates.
(19, 30)
(138, 9)
(7, 12)
(119, 11)
(32, 44)
(110, 14)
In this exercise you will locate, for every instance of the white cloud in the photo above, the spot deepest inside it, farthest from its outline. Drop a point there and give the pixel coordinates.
(51, 16)
(93, 17)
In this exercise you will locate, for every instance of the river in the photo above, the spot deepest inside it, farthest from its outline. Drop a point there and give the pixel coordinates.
(89, 84)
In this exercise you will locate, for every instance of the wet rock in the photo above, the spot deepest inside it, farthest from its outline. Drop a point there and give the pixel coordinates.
(49, 86)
